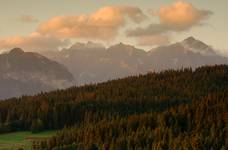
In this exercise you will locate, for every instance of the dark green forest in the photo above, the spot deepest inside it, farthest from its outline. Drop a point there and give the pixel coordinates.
(175, 109)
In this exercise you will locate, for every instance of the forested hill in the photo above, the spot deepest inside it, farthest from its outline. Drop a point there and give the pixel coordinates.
(140, 111)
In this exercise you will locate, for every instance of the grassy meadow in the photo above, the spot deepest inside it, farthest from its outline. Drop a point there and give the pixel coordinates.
(16, 140)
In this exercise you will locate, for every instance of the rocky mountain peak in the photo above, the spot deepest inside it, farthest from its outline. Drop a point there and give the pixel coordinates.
(197, 46)
(122, 47)
(190, 39)
(16, 51)
(88, 45)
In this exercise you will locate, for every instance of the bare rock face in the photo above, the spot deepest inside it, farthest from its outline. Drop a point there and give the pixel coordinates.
(29, 73)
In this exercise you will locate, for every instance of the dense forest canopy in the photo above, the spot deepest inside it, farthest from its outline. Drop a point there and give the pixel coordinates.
(173, 109)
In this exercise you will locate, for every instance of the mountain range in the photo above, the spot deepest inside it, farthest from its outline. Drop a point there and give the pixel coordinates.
(84, 63)
(91, 62)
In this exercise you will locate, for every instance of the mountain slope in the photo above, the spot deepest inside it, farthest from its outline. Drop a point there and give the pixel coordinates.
(28, 73)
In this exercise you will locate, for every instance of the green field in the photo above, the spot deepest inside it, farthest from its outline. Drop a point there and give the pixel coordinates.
(16, 140)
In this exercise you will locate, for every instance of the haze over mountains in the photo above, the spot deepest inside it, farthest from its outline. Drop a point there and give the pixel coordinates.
(92, 62)
(29, 73)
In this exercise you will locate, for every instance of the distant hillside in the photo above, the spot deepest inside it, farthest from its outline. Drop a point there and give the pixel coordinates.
(92, 63)
(29, 73)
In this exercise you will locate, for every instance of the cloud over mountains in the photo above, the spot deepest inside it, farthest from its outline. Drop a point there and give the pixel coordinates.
(33, 41)
(178, 17)
(103, 24)
(109, 23)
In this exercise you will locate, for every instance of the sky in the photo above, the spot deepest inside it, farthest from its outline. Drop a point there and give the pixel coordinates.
(37, 25)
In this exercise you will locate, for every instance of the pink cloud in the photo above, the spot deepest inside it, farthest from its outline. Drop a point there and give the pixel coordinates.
(103, 24)
(33, 42)
(181, 15)
(178, 17)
